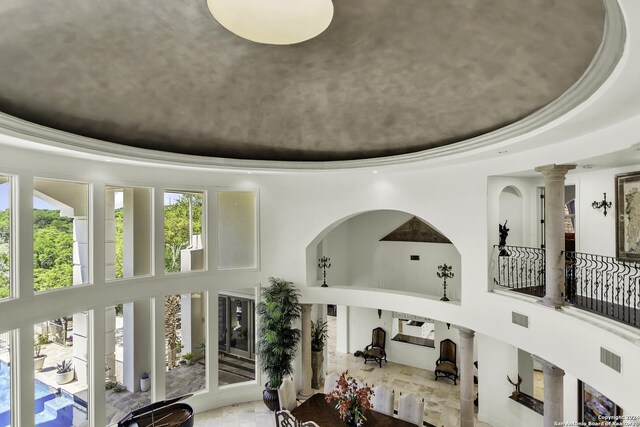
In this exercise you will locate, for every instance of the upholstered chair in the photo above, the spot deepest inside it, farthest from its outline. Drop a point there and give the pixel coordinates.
(330, 381)
(287, 394)
(411, 409)
(382, 399)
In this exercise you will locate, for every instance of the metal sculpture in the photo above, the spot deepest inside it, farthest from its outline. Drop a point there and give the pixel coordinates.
(445, 273)
(324, 263)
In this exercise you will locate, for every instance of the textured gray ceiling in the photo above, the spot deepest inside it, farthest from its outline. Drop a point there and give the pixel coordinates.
(387, 77)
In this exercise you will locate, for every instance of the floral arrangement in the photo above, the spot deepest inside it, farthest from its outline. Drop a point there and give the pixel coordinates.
(352, 400)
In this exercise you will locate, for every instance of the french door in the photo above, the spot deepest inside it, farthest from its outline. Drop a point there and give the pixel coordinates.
(236, 326)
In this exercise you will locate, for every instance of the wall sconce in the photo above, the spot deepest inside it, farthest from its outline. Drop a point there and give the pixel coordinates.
(239, 312)
(379, 314)
(603, 204)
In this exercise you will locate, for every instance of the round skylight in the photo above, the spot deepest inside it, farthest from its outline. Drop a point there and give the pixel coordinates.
(278, 22)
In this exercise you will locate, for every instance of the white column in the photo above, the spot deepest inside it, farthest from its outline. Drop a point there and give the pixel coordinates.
(553, 392)
(80, 250)
(554, 177)
(466, 377)
(307, 391)
(136, 342)
(109, 235)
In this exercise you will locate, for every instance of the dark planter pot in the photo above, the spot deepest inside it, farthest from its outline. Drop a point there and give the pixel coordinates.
(317, 357)
(270, 398)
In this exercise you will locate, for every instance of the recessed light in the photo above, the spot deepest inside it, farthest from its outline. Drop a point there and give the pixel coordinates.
(249, 172)
(374, 171)
(503, 152)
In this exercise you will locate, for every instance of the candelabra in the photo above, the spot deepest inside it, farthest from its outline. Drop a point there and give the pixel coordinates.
(603, 204)
(324, 263)
(444, 273)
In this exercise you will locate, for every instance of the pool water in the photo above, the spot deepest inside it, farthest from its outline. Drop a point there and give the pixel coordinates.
(43, 394)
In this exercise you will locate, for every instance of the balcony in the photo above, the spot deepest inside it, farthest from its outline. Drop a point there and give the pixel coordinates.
(595, 283)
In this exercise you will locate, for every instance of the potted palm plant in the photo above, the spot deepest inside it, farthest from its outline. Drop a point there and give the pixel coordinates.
(318, 340)
(277, 338)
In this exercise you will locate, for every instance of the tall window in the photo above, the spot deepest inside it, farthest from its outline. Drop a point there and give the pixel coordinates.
(128, 232)
(5, 237)
(185, 343)
(183, 231)
(5, 378)
(60, 234)
(237, 230)
(61, 370)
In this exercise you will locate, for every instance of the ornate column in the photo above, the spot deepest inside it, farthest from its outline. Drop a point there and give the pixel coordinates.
(553, 389)
(306, 391)
(554, 176)
(466, 377)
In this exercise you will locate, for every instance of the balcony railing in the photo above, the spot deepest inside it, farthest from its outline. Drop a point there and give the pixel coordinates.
(603, 285)
(520, 268)
(599, 284)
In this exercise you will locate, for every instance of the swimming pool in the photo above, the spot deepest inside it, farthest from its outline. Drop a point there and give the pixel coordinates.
(43, 394)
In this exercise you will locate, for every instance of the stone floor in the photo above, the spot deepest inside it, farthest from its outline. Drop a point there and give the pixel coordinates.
(442, 398)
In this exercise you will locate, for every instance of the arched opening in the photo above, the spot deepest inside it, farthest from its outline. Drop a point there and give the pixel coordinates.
(386, 249)
(511, 212)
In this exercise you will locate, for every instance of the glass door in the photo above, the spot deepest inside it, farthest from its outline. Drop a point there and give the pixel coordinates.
(240, 332)
(236, 326)
(222, 323)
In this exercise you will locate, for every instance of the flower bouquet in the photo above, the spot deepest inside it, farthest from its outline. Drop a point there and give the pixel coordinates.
(352, 401)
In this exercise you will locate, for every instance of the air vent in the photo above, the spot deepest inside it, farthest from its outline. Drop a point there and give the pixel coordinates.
(520, 319)
(610, 359)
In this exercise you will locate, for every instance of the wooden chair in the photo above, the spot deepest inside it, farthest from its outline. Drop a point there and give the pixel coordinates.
(411, 409)
(382, 399)
(285, 419)
(309, 424)
(446, 365)
(375, 350)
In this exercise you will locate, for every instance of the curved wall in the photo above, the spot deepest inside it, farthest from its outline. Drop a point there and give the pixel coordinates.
(294, 209)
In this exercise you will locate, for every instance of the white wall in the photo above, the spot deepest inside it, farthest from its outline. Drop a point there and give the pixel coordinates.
(363, 320)
(359, 258)
(496, 360)
(292, 216)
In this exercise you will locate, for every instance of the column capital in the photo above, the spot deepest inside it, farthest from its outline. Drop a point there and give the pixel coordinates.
(548, 367)
(465, 332)
(554, 170)
(305, 307)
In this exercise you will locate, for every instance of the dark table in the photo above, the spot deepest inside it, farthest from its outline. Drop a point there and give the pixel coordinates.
(326, 415)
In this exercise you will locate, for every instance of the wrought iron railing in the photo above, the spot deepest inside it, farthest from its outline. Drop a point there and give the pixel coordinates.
(604, 285)
(520, 268)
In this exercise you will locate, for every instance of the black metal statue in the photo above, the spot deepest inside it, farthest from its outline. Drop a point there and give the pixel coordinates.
(504, 233)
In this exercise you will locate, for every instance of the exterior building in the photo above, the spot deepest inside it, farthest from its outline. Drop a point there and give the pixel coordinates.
(263, 218)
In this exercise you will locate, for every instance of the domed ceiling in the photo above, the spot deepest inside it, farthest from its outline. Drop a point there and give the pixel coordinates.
(385, 78)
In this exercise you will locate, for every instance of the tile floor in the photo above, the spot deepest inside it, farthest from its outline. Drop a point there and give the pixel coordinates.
(442, 398)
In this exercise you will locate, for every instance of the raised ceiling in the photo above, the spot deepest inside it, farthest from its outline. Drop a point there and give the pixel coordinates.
(387, 77)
